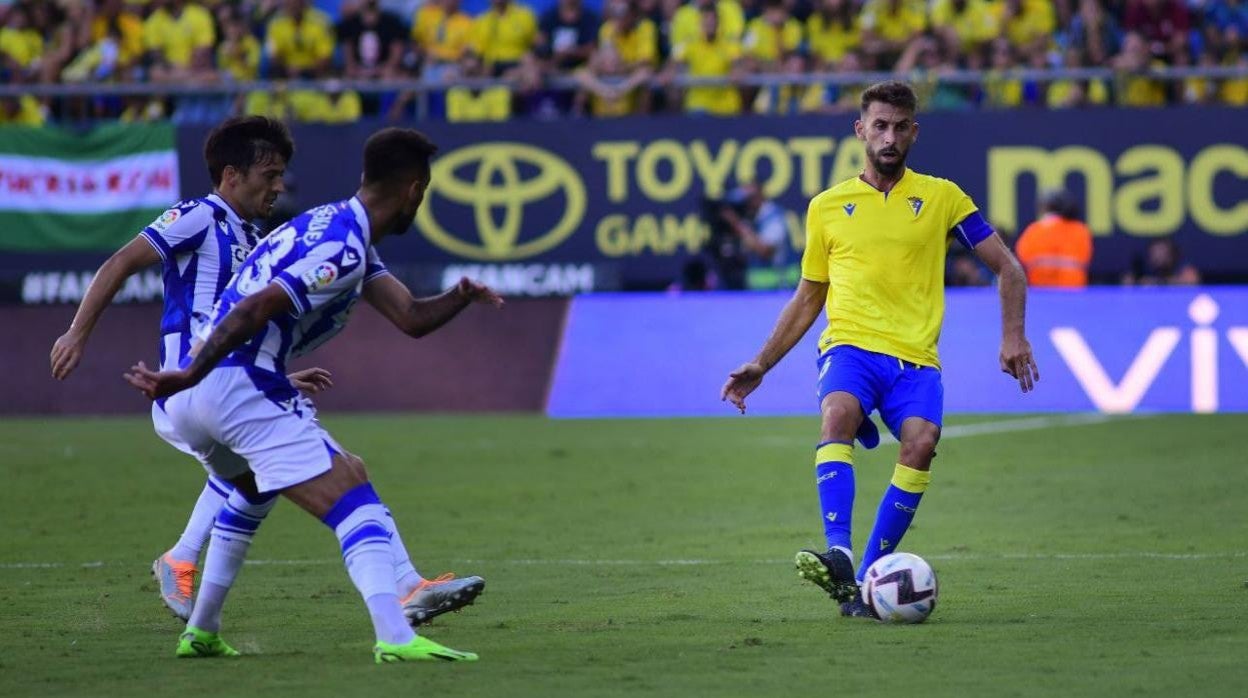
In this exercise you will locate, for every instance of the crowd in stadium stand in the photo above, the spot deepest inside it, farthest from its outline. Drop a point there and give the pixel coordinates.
(620, 56)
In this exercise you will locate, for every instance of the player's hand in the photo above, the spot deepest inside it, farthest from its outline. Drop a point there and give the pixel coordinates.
(311, 381)
(1016, 360)
(474, 292)
(66, 353)
(741, 383)
(157, 384)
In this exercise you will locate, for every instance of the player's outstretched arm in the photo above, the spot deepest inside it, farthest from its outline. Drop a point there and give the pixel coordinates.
(417, 317)
(241, 324)
(68, 348)
(1016, 357)
(796, 318)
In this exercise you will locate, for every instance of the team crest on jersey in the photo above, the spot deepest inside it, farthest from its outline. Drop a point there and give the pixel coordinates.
(166, 219)
(915, 203)
(849, 209)
(319, 276)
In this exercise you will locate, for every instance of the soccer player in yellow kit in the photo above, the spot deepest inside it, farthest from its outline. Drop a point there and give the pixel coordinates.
(875, 258)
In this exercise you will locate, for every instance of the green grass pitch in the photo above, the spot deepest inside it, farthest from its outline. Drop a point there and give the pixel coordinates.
(651, 557)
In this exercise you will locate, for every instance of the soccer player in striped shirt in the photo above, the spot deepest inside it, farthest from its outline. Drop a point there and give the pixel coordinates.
(875, 260)
(200, 243)
(233, 404)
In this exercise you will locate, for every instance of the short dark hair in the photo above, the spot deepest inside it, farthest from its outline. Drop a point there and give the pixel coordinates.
(892, 92)
(395, 155)
(244, 141)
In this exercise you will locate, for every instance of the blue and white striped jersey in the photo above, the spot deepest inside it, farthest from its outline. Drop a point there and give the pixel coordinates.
(201, 243)
(322, 259)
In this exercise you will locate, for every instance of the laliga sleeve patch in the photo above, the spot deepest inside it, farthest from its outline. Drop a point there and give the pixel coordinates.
(319, 276)
(166, 219)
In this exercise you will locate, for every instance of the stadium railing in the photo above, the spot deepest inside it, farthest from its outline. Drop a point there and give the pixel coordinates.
(423, 87)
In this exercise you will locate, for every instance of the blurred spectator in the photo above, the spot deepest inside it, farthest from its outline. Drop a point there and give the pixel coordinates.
(1162, 265)
(21, 47)
(1066, 93)
(923, 63)
(888, 26)
(1133, 89)
(963, 25)
(772, 38)
(178, 36)
(1194, 90)
(609, 85)
(1162, 23)
(1234, 91)
(567, 35)
(21, 111)
(467, 104)
(1221, 18)
(504, 36)
(333, 105)
(1095, 31)
(1001, 88)
(1028, 24)
(1056, 249)
(442, 34)
(372, 42)
(687, 22)
(633, 36)
(832, 31)
(238, 54)
(711, 54)
(113, 18)
(299, 40)
(835, 99)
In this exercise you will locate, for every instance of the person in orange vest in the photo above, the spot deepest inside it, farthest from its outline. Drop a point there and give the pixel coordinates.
(1056, 249)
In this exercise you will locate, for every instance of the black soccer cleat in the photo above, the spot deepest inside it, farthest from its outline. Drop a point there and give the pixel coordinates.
(832, 571)
(857, 608)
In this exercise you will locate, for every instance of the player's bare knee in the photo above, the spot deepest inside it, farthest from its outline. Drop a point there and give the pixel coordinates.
(840, 421)
(918, 446)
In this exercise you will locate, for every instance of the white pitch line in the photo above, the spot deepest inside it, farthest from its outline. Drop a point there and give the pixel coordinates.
(1004, 426)
(693, 562)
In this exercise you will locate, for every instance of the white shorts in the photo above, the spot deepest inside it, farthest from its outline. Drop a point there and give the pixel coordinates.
(230, 425)
(164, 429)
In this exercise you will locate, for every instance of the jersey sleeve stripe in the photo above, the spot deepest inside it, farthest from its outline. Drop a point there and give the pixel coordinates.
(162, 248)
(292, 289)
(376, 274)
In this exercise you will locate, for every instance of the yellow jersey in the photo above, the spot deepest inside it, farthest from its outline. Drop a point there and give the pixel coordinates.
(883, 257)
(179, 37)
(911, 19)
(240, 61)
(301, 45)
(504, 37)
(24, 46)
(829, 41)
(639, 46)
(974, 25)
(686, 26)
(441, 37)
(767, 42)
(490, 104)
(710, 59)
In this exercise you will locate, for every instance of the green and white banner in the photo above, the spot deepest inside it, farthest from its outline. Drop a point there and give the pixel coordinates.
(62, 190)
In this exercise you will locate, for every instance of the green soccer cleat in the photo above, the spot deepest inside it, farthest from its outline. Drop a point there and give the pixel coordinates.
(420, 649)
(832, 571)
(199, 643)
